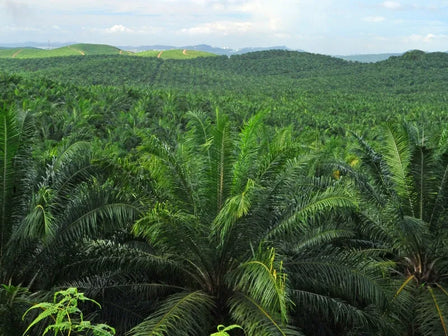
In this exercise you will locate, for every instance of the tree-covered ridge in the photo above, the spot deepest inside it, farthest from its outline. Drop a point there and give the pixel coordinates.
(71, 50)
(276, 68)
(311, 91)
(84, 49)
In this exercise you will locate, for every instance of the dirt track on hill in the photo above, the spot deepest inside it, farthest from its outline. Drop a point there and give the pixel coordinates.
(80, 51)
(16, 53)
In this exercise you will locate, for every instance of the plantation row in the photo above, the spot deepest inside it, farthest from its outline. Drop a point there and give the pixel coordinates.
(283, 209)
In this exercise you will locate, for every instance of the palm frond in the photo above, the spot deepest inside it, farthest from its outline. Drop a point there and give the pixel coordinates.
(248, 148)
(320, 236)
(221, 160)
(347, 275)
(441, 198)
(39, 223)
(100, 256)
(264, 281)
(310, 205)
(9, 144)
(233, 209)
(94, 211)
(398, 157)
(162, 161)
(424, 172)
(431, 312)
(404, 284)
(331, 309)
(378, 170)
(257, 320)
(185, 313)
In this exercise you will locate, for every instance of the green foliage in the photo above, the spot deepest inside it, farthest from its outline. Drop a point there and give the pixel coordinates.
(175, 54)
(14, 301)
(409, 180)
(66, 317)
(311, 92)
(223, 330)
(159, 188)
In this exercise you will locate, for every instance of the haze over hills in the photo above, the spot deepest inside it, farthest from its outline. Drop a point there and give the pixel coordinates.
(206, 48)
(364, 58)
(97, 49)
(368, 58)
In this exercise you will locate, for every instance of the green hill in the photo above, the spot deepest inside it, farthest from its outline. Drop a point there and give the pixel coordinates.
(278, 70)
(83, 49)
(175, 54)
(71, 50)
(319, 91)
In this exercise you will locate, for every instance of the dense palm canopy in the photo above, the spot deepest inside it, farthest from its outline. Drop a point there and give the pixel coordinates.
(405, 216)
(49, 206)
(231, 207)
(179, 222)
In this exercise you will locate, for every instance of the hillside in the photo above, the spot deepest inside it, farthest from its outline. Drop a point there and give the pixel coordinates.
(277, 70)
(71, 50)
(174, 54)
(320, 91)
(84, 49)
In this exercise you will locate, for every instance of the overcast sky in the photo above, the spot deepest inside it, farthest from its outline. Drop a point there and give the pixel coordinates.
(322, 26)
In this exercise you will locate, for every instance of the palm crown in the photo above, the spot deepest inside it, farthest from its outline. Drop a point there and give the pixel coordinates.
(229, 208)
(407, 196)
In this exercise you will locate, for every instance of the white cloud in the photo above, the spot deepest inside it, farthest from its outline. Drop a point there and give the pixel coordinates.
(220, 27)
(423, 38)
(429, 37)
(374, 19)
(119, 29)
(391, 4)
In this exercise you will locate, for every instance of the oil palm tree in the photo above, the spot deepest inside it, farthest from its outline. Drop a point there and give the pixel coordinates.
(230, 208)
(49, 205)
(405, 216)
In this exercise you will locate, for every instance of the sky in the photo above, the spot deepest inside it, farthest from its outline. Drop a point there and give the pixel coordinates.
(334, 27)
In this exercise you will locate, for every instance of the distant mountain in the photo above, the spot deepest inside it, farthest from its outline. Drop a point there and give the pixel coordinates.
(363, 58)
(205, 48)
(41, 45)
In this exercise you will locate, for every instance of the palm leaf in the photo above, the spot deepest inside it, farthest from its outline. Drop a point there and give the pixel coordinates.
(9, 144)
(94, 211)
(257, 320)
(264, 281)
(185, 313)
(248, 148)
(233, 209)
(331, 308)
(430, 312)
(398, 157)
(219, 177)
(309, 206)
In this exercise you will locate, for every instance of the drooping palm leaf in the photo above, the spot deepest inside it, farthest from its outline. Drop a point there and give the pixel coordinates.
(185, 313)
(398, 156)
(9, 144)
